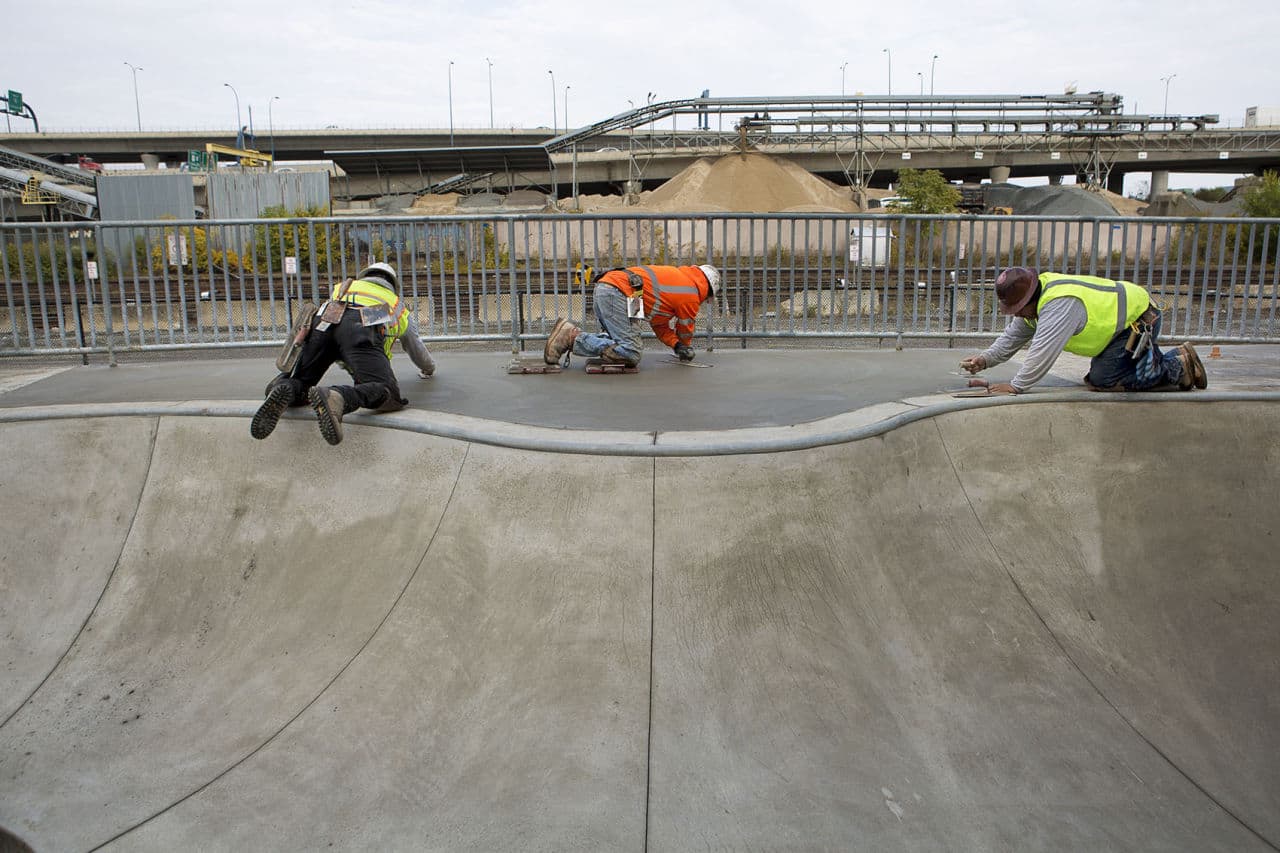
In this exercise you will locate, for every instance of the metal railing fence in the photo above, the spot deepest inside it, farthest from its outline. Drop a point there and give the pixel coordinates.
(156, 285)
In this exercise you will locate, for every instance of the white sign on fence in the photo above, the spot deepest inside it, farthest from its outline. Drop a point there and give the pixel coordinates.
(290, 266)
(177, 249)
(91, 270)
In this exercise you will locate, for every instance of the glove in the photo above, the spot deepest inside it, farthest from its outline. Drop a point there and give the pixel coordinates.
(685, 352)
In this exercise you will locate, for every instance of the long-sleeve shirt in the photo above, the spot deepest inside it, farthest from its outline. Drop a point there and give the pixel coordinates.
(412, 344)
(1061, 319)
(673, 311)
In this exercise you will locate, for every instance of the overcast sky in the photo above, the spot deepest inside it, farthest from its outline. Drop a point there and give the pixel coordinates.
(383, 63)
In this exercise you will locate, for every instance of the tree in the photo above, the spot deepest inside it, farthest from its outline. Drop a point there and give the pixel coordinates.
(927, 191)
(1263, 200)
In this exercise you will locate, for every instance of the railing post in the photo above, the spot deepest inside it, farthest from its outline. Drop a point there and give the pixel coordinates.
(106, 301)
(902, 277)
(517, 309)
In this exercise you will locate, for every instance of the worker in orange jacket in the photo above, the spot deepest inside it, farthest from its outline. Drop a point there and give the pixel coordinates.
(668, 297)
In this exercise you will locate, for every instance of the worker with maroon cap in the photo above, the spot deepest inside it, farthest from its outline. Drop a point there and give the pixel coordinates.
(1113, 322)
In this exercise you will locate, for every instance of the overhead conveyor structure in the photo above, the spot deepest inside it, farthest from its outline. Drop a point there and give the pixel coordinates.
(34, 180)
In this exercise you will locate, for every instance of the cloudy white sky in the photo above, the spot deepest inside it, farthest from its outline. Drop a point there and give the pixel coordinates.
(385, 63)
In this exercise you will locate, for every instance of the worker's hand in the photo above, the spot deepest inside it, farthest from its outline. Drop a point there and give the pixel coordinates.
(1002, 388)
(974, 363)
(684, 351)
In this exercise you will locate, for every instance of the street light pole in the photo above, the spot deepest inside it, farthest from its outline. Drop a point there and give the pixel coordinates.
(237, 95)
(566, 107)
(486, 59)
(932, 64)
(889, 53)
(271, 129)
(1166, 91)
(920, 74)
(555, 122)
(450, 103)
(136, 107)
(843, 66)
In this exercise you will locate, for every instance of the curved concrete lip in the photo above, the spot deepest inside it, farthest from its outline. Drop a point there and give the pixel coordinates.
(867, 422)
(754, 401)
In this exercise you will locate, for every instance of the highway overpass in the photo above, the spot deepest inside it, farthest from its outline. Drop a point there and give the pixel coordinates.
(851, 140)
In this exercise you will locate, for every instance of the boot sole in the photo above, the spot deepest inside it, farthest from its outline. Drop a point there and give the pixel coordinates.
(268, 414)
(330, 428)
(547, 354)
(1198, 376)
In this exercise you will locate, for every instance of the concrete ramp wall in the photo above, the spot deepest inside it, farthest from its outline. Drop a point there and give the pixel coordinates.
(1025, 627)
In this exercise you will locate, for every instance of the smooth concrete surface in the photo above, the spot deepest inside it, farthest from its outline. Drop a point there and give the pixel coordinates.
(1044, 623)
(741, 389)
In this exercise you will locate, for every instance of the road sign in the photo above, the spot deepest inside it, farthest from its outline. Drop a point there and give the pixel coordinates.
(15, 102)
(290, 265)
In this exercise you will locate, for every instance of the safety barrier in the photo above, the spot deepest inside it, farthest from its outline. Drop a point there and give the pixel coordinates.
(889, 279)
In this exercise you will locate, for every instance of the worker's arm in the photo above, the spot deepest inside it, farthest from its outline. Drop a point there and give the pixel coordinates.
(412, 344)
(660, 321)
(1060, 320)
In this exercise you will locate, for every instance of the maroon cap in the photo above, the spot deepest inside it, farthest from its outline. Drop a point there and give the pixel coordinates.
(1015, 287)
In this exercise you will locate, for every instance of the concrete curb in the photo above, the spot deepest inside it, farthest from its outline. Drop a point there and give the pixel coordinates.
(856, 425)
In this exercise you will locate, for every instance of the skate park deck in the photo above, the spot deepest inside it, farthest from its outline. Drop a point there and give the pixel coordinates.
(799, 600)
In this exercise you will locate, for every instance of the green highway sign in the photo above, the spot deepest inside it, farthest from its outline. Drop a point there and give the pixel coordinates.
(15, 102)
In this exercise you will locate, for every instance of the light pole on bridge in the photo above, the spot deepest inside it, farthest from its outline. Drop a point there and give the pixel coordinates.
(137, 108)
(1166, 92)
(239, 139)
(486, 59)
(555, 121)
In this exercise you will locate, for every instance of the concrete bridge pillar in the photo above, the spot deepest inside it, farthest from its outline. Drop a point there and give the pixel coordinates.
(1055, 180)
(1159, 183)
(151, 161)
(1115, 181)
(999, 174)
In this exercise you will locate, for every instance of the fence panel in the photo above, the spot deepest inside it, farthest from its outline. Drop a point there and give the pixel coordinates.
(105, 287)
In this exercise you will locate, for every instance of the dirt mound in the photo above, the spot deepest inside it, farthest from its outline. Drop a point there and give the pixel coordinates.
(1049, 200)
(747, 183)
(432, 204)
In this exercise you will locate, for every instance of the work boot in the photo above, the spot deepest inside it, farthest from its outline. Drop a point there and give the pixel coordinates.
(560, 341)
(329, 406)
(1193, 363)
(279, 397)
(610, 356)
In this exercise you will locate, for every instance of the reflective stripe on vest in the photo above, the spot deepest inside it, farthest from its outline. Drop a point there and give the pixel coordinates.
(365, 292)
(654, 287)
(1111, 307)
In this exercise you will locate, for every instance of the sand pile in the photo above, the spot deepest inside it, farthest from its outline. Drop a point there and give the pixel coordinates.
(434, 205)
(747, 183)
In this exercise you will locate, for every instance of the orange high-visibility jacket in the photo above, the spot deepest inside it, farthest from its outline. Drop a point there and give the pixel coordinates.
(672, 297)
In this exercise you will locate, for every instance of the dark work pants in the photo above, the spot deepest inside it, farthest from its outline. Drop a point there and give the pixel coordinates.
(360, 349)
(1114, 368)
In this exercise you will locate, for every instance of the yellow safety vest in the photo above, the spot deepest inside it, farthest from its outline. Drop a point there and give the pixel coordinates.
(366, 292)
(1112, 307)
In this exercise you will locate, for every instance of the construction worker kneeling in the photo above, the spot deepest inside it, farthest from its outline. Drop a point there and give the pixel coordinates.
(668, 297)
(1114, 323)
(356, 327)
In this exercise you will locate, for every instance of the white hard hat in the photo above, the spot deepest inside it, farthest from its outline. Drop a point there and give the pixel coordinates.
(382, 271)
(713, 277)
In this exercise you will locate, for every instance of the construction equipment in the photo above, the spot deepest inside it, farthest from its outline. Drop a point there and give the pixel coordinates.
(248, 156)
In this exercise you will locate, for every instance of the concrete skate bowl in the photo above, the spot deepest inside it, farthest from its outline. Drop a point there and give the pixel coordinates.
(1024, 627)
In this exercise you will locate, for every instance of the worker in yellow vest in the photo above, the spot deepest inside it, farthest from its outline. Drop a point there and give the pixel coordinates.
(1112, 322)
(355, 327)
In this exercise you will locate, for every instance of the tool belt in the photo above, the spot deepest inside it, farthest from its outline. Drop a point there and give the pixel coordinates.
(1142, 332)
